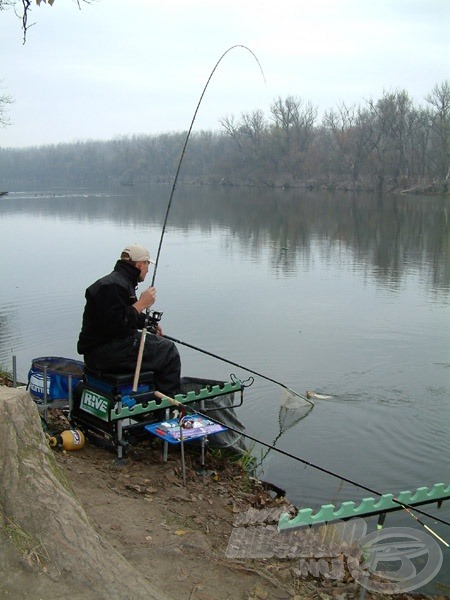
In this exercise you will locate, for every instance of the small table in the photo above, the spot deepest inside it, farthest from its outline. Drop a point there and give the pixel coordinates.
(187, 429)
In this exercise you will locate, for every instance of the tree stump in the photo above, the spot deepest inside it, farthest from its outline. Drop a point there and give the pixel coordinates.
(48, 546)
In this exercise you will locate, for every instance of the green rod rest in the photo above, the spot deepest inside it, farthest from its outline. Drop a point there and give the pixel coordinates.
(205, 393)
(367, 507)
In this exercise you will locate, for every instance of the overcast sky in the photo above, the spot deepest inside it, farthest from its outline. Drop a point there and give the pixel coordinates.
(119, 67)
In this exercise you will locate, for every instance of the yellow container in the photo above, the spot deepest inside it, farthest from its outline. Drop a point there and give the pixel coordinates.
(70, 439)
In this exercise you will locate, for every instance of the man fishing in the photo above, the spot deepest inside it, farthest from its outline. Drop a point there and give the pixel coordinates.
(109, 337)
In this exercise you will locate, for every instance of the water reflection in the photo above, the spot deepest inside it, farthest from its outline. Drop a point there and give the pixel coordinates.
(385, 235)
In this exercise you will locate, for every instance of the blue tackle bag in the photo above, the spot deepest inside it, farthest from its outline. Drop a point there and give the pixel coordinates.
(57, 371)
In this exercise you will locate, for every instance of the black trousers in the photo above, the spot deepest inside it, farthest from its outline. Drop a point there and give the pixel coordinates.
(160, 356)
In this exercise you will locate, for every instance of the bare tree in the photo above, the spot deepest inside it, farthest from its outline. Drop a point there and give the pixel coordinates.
(234, 130)
(254, 126)
(293, 128)
(390, 117)
(350, 131)
(439, 99)
(5, 100)
(23, 9)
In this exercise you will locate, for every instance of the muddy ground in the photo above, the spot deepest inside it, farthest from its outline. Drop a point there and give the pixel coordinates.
(178, 535)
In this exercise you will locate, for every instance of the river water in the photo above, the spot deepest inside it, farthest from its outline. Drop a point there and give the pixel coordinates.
(347, 295)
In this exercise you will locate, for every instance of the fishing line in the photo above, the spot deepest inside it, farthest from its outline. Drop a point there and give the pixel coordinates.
(174, 185)
(299, 459)
(230, 362)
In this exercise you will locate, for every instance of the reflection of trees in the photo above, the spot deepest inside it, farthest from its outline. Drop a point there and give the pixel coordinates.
(382, 233)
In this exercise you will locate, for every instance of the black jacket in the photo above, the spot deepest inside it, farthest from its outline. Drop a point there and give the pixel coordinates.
(108, 313)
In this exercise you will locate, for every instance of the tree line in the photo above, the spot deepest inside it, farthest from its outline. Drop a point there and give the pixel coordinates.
(384, 144)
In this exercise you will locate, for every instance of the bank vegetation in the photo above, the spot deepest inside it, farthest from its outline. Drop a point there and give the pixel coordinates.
(385, 145)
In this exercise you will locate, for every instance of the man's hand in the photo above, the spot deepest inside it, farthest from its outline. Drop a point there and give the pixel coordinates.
(146, 299)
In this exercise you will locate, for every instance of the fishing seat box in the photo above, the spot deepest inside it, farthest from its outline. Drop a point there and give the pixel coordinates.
(118, 383)
(105, 405)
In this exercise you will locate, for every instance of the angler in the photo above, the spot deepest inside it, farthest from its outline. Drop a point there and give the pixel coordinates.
(109, 338)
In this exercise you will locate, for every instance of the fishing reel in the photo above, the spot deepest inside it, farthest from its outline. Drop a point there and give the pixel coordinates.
(153, 319)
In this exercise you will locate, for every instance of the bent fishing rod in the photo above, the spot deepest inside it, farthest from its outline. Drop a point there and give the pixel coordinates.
(408, 508)
(183, 151)
(230, 362)
(174, 185)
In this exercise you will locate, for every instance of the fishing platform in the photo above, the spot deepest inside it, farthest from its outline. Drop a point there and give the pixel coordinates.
(106, 409)
(104, 405)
